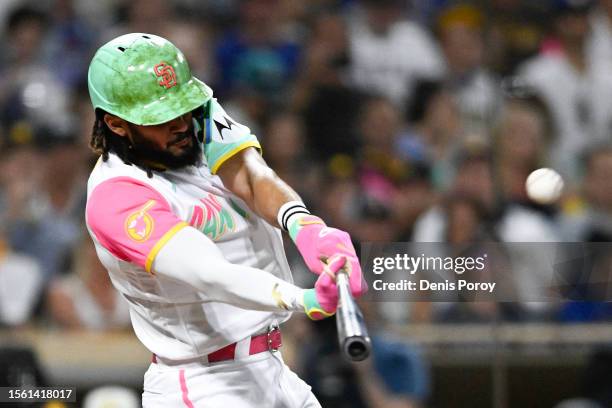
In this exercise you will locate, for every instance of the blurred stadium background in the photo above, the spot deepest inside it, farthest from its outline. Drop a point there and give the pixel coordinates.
(395, 120)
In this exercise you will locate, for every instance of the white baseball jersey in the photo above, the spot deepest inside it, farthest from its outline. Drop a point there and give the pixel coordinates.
(392, 63)
(580, 105)
(132, 217)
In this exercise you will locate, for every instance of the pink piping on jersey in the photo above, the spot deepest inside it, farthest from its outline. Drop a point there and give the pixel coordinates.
(184, 389)
(212, 208)
(197, 219)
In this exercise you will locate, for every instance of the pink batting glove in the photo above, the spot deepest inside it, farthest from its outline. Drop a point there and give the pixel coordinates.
(322, 301)
(318, 243)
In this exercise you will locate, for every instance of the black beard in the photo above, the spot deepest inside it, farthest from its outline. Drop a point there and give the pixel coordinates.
(144, 153)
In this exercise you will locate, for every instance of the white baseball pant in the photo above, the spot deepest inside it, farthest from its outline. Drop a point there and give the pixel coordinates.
(260, 380)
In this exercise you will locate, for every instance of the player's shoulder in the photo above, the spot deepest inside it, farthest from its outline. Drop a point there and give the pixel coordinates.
(224, 136)
(114, 186)
(112, 200)
(114, 170)
(223, 122)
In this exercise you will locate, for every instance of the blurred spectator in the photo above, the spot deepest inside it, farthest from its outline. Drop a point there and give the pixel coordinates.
(394, 185)
(523, 136)
(20, 286)
(413, 196)
(322, 94)
(460, 30)
(593, 223)
(286, 153)
(373, 221)
(389, 52)
(256, 56)
(522, 141)
(469, 225)
(337, 202)
(467, 221)
(473, 181)
(598, 192)
(42, 194)
(515, 29)
(582, 107)
(69, 43)
(532, 265)
(31, 96)
(294, 14)
(380, 167)
(86, 299)
(600, 39)
(466, 216)
(99, 12)
(141, 16)
(196, 42)
(20, 179)
(25, 32)
(426, 11)
(37, 102)
(434, 131)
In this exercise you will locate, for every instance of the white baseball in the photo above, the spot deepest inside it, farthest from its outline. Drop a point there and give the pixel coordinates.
(544, 186)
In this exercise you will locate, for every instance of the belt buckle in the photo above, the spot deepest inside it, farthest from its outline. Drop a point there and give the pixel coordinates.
(275, 329)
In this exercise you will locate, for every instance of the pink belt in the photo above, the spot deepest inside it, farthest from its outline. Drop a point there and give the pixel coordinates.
(270, 341)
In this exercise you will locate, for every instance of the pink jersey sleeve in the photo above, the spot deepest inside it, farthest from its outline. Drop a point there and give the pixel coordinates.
(131, 220)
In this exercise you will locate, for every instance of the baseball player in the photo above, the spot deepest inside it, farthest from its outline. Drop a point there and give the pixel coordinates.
(184, 213)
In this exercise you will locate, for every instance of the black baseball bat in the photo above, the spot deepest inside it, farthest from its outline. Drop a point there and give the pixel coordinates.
(352, 332)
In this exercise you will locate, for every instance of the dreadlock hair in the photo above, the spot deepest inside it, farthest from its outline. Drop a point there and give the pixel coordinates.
(104, 140)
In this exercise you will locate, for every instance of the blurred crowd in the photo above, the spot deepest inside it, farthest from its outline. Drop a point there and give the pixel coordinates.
(395, 120)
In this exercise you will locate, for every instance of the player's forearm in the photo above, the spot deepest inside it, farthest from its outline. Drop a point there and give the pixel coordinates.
(250, 178)
(272, 194)
(192, 258)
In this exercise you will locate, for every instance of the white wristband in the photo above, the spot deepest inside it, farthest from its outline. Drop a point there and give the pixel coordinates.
(289, 211)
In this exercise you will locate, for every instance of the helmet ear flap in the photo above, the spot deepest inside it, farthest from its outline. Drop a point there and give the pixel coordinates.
(198, 123)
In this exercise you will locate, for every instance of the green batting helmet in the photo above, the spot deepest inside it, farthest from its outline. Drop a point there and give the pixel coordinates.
(144, 79)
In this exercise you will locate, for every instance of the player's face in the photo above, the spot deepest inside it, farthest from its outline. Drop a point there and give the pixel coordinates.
(172, 144)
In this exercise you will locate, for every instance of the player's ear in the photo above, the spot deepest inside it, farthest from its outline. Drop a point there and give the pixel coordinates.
(116, 124)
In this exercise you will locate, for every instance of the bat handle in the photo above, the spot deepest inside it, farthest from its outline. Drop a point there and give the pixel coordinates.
(352, 332)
